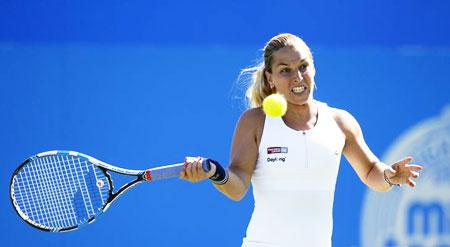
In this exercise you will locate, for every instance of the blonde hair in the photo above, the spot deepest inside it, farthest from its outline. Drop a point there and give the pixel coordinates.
(259, 87)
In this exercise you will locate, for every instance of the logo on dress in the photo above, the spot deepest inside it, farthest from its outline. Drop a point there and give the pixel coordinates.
(277, 150)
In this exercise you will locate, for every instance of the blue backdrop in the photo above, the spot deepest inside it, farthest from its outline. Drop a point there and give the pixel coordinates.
(139, 84)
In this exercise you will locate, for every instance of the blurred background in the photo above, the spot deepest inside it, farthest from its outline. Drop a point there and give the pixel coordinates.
(144, 83)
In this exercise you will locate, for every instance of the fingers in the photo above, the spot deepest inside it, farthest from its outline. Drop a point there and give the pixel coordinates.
(183, 174)
(190, 169)
(411, 182)
(411, 170)
(401, 163)
(193, 170)
(405, 173)
(414, 167)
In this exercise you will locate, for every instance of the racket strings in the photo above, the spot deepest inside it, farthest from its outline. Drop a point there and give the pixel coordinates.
(41, 194)
(60, 191)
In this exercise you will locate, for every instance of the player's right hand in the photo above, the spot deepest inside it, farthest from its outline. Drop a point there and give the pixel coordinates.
(193, 170)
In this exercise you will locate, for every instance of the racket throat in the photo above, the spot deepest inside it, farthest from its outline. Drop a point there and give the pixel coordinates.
(147, 175)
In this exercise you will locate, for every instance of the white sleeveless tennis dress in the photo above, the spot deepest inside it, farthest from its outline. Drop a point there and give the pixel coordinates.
(294, 182)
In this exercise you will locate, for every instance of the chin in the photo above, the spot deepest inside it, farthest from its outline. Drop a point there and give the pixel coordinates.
(301, 100)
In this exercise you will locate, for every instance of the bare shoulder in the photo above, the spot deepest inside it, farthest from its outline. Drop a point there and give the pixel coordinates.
(252, 117)
(345, 120)
(252, 122)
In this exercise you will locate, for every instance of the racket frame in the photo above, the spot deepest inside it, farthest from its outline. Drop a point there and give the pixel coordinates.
(140, 176)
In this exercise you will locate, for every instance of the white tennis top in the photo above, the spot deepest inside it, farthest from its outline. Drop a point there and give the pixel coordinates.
(294, 183)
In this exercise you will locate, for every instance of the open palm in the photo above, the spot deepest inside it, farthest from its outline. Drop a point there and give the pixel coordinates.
(403, 173)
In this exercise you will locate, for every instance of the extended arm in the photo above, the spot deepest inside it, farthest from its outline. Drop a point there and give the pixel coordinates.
(368, 167)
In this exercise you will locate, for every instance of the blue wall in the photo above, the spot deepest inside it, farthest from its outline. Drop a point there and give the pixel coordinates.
(139, 85)
(331, 22)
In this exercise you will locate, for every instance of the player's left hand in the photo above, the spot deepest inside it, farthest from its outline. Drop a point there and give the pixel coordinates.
(401, 172)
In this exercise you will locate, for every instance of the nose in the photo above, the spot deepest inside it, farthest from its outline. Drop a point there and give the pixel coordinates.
(298, 77)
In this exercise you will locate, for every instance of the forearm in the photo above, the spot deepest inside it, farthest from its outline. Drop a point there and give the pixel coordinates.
(235, 188)
(375, 178)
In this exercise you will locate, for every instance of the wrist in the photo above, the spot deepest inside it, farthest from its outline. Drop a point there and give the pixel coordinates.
(387, 180)
(221, 175)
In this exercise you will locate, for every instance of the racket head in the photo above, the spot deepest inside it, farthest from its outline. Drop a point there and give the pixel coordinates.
(60, 190)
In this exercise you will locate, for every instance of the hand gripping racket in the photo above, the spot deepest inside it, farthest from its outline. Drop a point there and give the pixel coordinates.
(59, 191)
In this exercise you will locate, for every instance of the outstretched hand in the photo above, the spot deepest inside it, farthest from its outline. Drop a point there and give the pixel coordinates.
(401, 172)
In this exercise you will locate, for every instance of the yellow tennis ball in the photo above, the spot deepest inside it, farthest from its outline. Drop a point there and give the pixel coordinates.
(275, 105)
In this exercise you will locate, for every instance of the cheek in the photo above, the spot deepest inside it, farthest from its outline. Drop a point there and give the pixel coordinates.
(280, 78)
(309, 75)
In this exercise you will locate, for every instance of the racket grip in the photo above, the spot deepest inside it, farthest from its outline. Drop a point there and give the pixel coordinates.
(163, 172)
(170, 171)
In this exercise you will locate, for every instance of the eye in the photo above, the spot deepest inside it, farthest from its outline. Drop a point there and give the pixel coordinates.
(285, 70)
(303, 67)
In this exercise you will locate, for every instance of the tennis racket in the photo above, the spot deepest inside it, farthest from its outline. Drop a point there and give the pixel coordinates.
(60, 191)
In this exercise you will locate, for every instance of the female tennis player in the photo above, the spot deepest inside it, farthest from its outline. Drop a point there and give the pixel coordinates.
(292, 161)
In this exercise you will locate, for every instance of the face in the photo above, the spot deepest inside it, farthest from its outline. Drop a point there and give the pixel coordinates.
(292, 74)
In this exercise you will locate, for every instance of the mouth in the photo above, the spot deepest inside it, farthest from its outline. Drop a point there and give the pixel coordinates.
(299, 89)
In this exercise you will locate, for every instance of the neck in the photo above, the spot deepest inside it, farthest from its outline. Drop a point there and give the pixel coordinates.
(301, 117)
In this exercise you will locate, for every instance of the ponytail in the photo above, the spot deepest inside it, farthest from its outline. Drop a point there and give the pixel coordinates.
(259, 88)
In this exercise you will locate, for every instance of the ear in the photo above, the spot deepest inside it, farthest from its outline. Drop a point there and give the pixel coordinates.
(268, 76)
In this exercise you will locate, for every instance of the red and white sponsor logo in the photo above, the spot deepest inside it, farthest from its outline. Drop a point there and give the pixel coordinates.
(277, 150)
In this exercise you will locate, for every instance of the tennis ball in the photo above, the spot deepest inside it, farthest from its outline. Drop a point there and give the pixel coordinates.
(275, 105)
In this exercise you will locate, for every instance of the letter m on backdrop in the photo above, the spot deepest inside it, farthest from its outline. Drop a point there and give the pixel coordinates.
(425, 218)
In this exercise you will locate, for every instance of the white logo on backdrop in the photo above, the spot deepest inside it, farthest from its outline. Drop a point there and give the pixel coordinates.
(414, 216)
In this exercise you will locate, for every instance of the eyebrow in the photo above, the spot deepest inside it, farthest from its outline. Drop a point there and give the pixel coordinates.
(285, 64)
